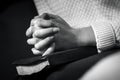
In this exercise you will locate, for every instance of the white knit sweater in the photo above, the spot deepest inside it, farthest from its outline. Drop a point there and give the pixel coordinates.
(102, 15)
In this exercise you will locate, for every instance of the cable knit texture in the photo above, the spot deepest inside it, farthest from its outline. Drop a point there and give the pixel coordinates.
(102, 15)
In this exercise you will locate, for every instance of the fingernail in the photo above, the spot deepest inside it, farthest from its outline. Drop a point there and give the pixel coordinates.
(56, 29)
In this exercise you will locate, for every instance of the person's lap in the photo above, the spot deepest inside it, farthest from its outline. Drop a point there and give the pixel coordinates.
(86, 69)
(97, 67)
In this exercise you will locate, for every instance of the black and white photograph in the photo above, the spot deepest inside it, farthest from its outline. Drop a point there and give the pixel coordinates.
(60, 39)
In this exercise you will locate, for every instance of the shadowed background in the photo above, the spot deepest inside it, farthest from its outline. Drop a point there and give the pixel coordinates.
(15, 16)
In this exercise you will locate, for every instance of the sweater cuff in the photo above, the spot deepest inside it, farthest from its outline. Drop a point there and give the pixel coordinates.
(104, 34)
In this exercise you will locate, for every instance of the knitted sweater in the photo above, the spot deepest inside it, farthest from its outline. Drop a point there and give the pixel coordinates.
(102, 15)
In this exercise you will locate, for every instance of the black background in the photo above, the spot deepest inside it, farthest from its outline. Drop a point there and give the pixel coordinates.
(15, 16)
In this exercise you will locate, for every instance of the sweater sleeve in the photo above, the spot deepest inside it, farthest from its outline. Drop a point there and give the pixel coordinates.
(107, 35)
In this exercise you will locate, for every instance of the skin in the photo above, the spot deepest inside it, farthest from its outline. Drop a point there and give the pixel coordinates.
(50, 32)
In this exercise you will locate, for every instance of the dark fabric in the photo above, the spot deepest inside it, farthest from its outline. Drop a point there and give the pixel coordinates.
(58, 58)
(14, 20)
(4, 4)
(70, 71)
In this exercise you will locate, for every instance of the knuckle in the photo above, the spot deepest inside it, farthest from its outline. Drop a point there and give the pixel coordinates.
(38, 33)
(36, 21)
(47, 23)
(35, 33)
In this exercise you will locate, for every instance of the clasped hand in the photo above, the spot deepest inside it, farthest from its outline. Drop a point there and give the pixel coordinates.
(49, 33)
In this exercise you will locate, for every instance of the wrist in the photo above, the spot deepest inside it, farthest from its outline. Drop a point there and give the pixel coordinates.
(85, 36)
